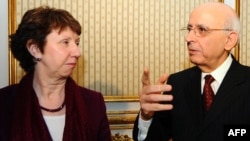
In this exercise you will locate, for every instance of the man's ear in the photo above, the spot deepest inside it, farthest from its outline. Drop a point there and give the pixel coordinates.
(33, 49)
(231, 41)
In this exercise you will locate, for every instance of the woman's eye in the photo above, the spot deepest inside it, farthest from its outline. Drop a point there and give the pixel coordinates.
(65, 42)
(77, 43)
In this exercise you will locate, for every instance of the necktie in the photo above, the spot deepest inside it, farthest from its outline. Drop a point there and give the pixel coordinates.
(208, 93)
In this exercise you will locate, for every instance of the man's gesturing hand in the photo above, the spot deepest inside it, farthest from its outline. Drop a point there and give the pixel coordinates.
(151, 95)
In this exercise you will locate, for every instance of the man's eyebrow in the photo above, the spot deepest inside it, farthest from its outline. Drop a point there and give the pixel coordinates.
(197, 25)
(187, 26)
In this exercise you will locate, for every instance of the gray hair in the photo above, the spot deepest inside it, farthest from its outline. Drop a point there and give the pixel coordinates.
(233, 23)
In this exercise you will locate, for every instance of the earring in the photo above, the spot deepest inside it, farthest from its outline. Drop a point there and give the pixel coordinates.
(38, 59)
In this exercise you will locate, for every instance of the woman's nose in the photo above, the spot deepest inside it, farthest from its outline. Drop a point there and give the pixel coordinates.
(76, 52)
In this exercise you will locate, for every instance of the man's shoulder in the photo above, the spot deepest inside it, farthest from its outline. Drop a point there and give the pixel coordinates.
(187, 72)
(240, 69)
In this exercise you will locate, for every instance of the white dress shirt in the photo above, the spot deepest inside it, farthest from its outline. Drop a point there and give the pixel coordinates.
(218, 75)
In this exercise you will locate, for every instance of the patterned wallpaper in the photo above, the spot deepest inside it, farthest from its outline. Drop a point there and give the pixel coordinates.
(121, 37)
(244, 50)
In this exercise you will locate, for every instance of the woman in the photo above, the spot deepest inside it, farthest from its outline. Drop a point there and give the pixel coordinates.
(47, 104)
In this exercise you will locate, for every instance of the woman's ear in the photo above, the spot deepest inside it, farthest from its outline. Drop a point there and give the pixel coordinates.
(232, 40)
(33, 49)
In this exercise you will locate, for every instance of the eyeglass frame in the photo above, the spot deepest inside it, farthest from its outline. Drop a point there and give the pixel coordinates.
(202, 31)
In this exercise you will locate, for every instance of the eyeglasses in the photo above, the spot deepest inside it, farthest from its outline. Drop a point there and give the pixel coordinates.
(200, 31)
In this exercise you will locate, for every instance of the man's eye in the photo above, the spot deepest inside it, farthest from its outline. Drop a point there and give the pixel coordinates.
(202, 29)
(189, 29)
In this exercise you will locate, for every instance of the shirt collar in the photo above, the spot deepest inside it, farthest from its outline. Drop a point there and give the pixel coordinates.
(221, 71)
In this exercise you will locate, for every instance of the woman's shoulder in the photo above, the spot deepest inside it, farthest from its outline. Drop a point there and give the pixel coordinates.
(8, 91)
(89, 91)
(92, 99)
(90, 94)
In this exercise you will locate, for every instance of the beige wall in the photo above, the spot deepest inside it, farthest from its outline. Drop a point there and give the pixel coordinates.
(121, 37)
(244, 49)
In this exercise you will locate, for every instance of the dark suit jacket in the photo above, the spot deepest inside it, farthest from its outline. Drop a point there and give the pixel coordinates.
(96, 111)
(186, 122)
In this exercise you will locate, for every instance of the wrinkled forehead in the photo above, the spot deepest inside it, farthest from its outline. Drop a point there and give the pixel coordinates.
(209, 17)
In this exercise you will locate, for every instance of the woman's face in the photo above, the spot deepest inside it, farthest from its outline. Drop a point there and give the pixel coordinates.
(61, 53)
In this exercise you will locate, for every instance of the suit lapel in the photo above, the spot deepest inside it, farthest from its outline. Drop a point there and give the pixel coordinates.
(193, 96)
(226, 93)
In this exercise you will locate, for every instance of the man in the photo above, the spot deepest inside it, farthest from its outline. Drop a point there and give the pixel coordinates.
(179, 114)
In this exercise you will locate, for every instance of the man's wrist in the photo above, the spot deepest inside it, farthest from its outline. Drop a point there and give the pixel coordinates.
(146, 116)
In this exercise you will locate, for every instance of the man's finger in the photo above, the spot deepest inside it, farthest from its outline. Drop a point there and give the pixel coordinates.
(158, 107)
(145, 77)
(162, 79)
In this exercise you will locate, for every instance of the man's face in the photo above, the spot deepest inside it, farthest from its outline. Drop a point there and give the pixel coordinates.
(206, 47)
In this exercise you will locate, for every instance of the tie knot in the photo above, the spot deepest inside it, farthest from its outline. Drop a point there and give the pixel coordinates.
(209, 79)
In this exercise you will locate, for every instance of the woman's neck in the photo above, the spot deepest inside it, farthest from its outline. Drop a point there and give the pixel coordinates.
(50, 93)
